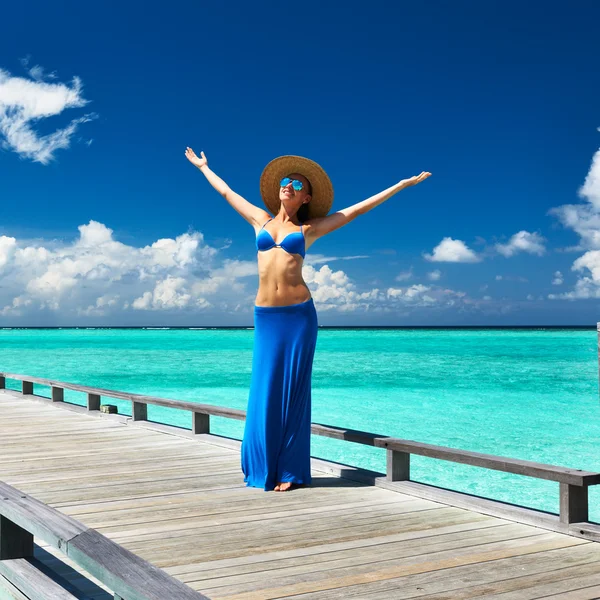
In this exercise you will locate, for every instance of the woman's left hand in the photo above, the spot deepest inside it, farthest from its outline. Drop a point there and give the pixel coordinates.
(416, 179)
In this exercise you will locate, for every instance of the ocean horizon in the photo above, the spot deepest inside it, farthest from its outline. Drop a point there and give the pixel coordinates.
(192, 327)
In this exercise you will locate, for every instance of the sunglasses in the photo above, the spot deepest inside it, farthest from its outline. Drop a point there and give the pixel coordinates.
(296, 183)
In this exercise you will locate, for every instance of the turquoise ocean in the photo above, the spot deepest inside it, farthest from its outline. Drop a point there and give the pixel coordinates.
(530, 394)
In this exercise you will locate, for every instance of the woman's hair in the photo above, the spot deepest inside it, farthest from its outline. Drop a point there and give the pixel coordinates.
(303, 213)
(303, 210)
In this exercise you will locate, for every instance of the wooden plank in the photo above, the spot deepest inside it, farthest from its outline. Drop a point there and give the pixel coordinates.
(93, 401)
(127, 574)
(573, 503)
(473, 580)
(556, 583)
(58, 394)
(215, 546)
(34, 516)
(9, 592)
(130, 524)
(398, 466)
(286, 520)
(477, 459)
(139, 411)
(182, 405)
(361, 557)
(26, 576)
(44, 471)
(116, 470)
(200, 423)
(326, 548)
(588, 593)
(228, 500)
(282, 587)
(483, 505)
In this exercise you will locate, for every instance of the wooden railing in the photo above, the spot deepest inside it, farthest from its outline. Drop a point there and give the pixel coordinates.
(573, 483)
(127, 575)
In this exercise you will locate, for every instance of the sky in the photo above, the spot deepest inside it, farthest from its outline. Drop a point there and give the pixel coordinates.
(104, 221)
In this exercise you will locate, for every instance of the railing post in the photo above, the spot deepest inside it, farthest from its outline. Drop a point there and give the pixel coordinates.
(93, 401)
(15, 542)
(27, 387)
(398, 466)
(573, 503)
(139, 411)
(58, 394)
(200, 423)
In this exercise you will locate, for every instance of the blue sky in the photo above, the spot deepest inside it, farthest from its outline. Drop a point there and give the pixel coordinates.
(105, 222)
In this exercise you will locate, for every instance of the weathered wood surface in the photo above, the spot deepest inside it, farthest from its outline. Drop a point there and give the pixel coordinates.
(30, 580)
(27, 387)
(477, 459)
(399, 450)
(128, 575)
(181, 505)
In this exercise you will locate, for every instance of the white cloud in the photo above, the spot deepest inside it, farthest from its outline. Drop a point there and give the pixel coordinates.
(7, 249)
(100, 307)
(36, 72)
(434, 275)
(24, 102)
(449, 250)
(334, 290)
(410, 293)
(590, 190)
(316, 259)
(98, 275)
(519, 278)
(95, 277)
(558, 278)
(584, 220)
(404, 275)
(523, 241)
(168, 293)
(423, 295)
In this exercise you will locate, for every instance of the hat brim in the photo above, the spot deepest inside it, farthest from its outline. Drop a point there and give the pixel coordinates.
(322, 189)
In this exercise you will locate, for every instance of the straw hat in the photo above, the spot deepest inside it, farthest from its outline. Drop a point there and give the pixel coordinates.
(322, 190)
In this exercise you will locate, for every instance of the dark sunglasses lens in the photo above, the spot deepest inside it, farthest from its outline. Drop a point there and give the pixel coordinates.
(297, 185)
(285, 181)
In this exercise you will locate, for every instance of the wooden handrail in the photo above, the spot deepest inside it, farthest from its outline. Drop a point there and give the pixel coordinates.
(574, 483)
(488, 461)
(130, 577)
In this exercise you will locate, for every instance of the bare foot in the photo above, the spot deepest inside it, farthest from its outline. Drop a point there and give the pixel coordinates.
(283, 487)
(276, 489)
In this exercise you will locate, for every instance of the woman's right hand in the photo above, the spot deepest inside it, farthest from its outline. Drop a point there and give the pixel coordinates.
(197, 162)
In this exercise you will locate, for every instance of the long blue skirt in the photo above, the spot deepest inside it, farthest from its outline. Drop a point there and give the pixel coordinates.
(276, 444)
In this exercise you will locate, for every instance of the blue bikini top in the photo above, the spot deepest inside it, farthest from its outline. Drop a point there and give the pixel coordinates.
(293, 243)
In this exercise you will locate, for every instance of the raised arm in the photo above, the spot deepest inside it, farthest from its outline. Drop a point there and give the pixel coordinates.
(323, 225)
(253, 214)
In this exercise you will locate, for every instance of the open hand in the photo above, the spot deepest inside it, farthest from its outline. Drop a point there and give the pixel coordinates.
(191, 156)
(416, 179)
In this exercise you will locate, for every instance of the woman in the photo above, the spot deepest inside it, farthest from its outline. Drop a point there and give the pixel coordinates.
(276, 444)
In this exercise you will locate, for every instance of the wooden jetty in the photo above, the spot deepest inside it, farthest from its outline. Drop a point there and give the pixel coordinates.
(103, 506)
